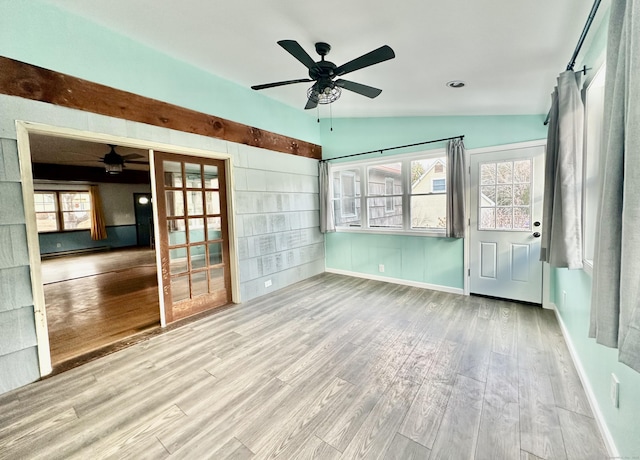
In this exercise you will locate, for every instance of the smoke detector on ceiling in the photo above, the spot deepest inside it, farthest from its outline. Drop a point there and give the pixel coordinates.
(456, 84)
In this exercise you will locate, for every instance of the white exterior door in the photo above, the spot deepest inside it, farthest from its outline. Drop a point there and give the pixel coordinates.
(506, 190)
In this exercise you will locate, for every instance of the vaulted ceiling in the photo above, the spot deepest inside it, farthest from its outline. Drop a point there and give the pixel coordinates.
(508, 52)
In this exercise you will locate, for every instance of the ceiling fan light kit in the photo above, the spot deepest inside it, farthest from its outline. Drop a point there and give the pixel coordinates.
(326, 90)
(114, 162)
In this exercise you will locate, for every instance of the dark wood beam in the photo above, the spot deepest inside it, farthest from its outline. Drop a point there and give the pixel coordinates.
(32, 82)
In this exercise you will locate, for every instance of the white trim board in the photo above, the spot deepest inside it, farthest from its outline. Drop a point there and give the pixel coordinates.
(593, 402)
(418, 284)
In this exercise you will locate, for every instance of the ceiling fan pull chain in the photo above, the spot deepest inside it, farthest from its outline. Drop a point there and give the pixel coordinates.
(331, 116)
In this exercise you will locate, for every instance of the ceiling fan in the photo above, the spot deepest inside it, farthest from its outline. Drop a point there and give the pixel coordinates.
(114, 162)
(326, 90)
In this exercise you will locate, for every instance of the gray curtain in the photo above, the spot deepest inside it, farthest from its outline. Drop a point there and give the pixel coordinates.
(456, 174)
(327, 218)
(615, 299)
(561, 243)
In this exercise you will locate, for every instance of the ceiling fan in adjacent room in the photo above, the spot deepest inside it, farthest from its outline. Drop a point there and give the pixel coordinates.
(114, 162)
(326, 89)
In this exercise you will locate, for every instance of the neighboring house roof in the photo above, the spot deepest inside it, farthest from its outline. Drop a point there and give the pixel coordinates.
(418, 183)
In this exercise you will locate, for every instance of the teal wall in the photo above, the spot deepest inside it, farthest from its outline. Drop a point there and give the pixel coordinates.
(118, 236)
(409, 258)
(426, 259)
(354, 135)
(38, 33)
(598, 362)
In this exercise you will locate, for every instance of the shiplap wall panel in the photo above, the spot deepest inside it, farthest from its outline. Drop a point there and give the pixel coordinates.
(17, 330)
(11, 206)
(15, 288)
(19, 368)
(9, 164)
(13, 246)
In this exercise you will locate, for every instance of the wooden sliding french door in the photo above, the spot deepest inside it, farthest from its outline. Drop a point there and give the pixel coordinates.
(194, 237)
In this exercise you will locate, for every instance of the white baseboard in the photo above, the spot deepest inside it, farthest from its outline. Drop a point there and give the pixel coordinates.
(433, 287)
(593, 402)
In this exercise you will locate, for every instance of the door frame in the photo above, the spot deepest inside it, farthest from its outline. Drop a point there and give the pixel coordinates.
(23, 129)
(546, 299)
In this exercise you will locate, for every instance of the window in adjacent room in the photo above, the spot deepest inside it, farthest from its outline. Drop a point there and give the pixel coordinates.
(62, 211)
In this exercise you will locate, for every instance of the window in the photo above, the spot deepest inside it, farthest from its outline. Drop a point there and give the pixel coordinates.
(438, 185)
(593, 149)
(62, 211)
(408, 194)
(348, 189)
(346, 194)
(505, 196)
(384, 206)
(388, 190)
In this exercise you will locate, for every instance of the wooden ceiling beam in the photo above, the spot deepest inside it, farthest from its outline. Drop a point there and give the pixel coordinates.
(39, 84)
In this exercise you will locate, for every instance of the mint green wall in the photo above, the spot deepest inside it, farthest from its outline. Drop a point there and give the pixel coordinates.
(410, 258)
(40, 34)
(599, 362)
(432, 260)
(354, 135)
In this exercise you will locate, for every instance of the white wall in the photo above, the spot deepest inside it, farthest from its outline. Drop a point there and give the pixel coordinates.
(117, 202)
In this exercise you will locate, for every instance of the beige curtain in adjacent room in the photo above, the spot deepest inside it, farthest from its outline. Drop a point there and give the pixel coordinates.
(98, 227)
(561, 243)
(456, 174)
(615, 299)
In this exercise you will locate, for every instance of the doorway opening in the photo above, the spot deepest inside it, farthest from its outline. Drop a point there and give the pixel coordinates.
(211, 219)
(100, 288)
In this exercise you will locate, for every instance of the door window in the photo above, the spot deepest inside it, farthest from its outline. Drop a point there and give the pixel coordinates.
(505, 196)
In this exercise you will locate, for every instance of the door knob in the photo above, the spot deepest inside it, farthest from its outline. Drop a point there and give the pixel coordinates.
(536, 224)
(536, 235)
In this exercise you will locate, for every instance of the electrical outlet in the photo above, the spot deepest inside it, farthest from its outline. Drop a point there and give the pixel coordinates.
(381, 268)
(267, 283)
(615, 391)
(564, 298)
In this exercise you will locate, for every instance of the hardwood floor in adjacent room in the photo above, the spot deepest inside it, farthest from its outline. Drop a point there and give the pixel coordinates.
(96, 300)
(332, 367)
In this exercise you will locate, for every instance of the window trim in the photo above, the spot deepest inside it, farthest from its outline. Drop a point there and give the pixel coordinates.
(588, 207)
(59, 211)
(406, 195)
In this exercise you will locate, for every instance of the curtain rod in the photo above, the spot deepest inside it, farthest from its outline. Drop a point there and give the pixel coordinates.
(398, 147)
(576, 51)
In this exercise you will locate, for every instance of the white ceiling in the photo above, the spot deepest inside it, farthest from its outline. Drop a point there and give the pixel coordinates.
(509, 52)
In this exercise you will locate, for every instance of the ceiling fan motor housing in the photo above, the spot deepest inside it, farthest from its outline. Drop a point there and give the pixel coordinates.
(112, 158)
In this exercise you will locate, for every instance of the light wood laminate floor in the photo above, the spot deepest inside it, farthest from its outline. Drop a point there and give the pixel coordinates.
(330, 368)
